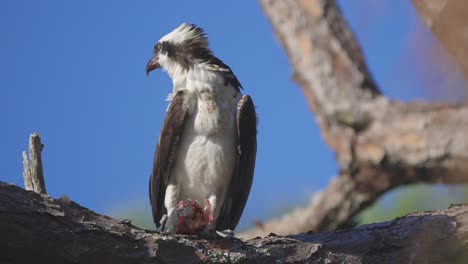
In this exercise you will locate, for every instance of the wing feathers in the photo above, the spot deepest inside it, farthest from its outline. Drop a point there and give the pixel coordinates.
(241, 181)
(165, 153)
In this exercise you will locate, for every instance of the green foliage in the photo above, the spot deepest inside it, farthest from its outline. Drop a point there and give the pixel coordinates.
(419, 197)
(136, 211)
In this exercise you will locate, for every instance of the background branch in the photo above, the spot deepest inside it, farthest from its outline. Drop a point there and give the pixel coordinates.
(379, 144)
(447, 21)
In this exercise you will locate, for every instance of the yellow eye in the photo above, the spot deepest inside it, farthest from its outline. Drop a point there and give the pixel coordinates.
(157, 47)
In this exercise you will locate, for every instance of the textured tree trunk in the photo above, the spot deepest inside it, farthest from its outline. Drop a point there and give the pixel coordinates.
(36, 228)
(379, 144)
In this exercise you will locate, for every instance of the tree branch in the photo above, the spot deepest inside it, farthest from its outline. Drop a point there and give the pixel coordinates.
(38, 229)
(379, 144)
(447, 21)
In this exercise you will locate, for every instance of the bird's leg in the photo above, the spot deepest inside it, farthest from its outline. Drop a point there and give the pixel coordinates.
(211, 227)
(208, 212)
(208, 231)
(168, 223)
(163, 222)
(171, 198)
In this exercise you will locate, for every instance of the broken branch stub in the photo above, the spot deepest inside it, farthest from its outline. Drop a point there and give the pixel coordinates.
(33, 174)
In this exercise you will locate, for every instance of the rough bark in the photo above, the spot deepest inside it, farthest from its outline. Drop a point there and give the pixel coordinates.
(33, 174)
(447, 21)
(379, 143)
(36, 228)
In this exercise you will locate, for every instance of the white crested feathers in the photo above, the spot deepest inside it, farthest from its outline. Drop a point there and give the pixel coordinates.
(185, 33)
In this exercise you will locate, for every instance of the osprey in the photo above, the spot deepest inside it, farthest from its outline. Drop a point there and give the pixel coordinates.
(207, 144)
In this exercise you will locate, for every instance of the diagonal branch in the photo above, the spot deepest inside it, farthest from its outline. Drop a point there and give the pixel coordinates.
(379, 144)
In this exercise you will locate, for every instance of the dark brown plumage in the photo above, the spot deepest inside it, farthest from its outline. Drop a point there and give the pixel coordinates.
(165, 153)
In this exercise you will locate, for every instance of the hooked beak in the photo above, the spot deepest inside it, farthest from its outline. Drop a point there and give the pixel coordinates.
(152, 64)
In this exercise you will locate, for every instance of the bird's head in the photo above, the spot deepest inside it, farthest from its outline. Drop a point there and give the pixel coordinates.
(180, 49)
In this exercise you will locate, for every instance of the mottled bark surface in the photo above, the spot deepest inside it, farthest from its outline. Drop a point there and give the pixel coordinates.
(36, 228)
(379, 143)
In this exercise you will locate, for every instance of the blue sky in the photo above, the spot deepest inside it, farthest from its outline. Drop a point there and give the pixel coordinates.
(75, 72)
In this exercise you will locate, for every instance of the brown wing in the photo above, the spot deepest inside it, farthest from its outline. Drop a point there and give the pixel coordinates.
(241, 181)
(165, 153)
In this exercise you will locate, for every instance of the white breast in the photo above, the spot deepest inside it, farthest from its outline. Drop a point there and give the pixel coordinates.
(206, 155)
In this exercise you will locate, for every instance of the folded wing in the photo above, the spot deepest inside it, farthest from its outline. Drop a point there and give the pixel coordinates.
(165, 154)
(241, 181)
